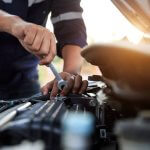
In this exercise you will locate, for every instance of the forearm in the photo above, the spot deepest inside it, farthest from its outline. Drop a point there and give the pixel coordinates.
(72, 59)
(6, 21)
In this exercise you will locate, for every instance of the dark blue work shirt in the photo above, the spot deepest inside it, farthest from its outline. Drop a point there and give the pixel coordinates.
(16, 63)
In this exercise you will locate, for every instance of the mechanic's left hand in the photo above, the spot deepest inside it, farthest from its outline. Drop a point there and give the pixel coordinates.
(74, 85)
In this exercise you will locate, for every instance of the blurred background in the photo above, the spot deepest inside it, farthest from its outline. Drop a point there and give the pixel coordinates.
(104, 23)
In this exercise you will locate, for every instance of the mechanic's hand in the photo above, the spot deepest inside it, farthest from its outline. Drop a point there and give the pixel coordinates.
(36, 39)
(74, 85)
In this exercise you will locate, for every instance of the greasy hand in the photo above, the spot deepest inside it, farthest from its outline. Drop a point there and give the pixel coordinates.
(74, 85)
(36, 39)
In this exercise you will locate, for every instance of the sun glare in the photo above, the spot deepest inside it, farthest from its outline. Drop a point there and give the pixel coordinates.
(133, 34)
(105, 23)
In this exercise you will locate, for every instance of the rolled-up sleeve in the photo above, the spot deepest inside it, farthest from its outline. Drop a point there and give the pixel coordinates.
(69, 27)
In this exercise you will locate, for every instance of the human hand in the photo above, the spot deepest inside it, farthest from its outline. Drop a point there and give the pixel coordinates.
(35, 39)
(74, 85)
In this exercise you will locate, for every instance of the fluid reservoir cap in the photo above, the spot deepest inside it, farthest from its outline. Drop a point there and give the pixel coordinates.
(78, 123)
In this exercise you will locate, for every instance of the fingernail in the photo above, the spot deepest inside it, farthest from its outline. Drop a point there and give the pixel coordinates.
(44, 93)
(51, 96)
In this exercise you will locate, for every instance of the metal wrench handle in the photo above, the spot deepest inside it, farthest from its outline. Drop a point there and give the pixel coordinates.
(61, 82)
(57, 75)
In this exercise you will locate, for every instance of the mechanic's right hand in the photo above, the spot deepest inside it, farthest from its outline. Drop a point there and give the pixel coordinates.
(36, 39)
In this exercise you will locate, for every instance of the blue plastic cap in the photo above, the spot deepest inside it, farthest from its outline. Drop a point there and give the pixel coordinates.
(78, 123)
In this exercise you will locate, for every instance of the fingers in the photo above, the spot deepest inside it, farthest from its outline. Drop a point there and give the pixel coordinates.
(83, 87)
(44, 48)
(77, 84)
(51, 52)
(54, 91)
(74, 84)
(50, 86)
(68, 87)
(30, 35)
(40, 42)
(37, 43)
(45, 89)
